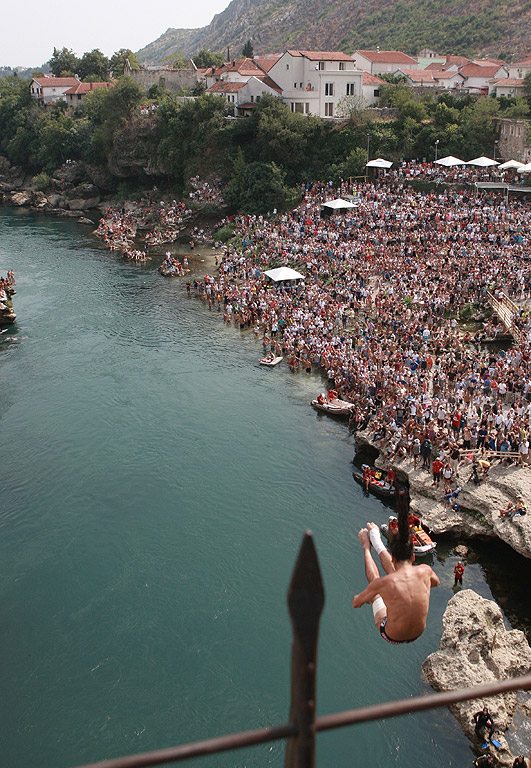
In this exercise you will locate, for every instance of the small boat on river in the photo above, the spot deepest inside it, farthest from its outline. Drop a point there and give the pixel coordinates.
(423, 544)
(271, 360)
(374, 480)
(331, 404)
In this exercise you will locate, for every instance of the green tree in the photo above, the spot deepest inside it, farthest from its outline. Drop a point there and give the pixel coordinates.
(261, 189)
(248, 50)
(64, 62)
(94, 65)
(206, 58)
(118, 59)
(177, 60)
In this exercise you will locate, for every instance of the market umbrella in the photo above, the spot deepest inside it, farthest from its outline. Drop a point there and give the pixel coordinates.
(379, 163)
(510, 165)
(482, 162)
(283, 273)
(338, 204)
(449, 161)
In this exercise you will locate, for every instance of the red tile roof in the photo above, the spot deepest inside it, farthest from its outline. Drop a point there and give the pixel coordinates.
(322, 55)
(56, 82)
(515, 81)
(526, 62)
(271, 83)
(86, 88)
(488, 62)
(222, 87)
(478, 70)
(267, 61)
(369, 79)
(460, 61)
(393, 57)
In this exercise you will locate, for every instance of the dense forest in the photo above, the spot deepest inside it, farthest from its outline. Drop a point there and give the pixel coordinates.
(262, 159)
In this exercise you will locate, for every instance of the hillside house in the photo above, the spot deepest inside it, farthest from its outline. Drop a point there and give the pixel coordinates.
(512, 87)
(479, 74)
(370, 91)
(432, 78)
(520, 69)
(244, 95)
(49, 90)
(313, 82)
(172, 79)
(75, 95)
(382, 62)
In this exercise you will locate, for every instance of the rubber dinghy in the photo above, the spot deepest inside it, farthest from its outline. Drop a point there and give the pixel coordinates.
(331, 404)
(377, 483)
(422, 543)
(271, 360)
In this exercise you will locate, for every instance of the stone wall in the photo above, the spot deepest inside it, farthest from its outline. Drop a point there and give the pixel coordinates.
(513, 142)
(174, 80)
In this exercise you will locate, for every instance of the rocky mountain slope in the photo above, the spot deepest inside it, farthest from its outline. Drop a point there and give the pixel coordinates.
(488, 27)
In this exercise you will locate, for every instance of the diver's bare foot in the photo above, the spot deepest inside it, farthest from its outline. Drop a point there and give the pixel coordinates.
(363, 536)
(370, 526)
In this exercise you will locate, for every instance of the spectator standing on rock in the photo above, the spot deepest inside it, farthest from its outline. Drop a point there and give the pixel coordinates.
(519, 762)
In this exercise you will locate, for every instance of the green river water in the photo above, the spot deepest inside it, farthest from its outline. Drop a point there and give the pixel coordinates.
(156, 484)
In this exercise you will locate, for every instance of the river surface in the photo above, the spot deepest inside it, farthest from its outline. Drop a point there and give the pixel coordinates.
(156, 484)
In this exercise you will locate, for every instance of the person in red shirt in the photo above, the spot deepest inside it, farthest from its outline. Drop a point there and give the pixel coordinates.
(458, 574)
(437, 467)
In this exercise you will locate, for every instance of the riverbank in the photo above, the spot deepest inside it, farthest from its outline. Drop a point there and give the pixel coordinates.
(479, 505)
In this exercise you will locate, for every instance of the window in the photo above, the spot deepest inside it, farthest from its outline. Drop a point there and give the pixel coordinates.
(329, 89)
(329, 109)
(300, 107)
(351, 89)
(258, 99)
(341, 66)
(320, 65)
(300, 85)
(287, 66)
(376, 93)
(252, 98)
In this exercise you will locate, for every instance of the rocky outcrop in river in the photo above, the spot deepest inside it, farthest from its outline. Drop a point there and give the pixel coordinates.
(476, 648)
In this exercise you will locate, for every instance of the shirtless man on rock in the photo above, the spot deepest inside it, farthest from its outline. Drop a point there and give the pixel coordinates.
(400, 599)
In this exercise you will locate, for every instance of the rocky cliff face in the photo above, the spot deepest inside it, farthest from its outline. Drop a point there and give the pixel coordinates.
(274, 25)
(476, 648)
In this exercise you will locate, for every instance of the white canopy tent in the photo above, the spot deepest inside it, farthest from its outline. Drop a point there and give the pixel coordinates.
(283, 273)
(379, 163)
(482, 162)
(525, 168)
(338, 204)
(449, 161)
(510, 165)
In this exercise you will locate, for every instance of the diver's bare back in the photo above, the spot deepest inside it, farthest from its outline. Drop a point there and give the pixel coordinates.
(406, 594)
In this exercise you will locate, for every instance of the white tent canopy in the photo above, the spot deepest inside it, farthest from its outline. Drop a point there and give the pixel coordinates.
(379, 163)
(525, 168)
(338, 204)
(482, 162)
(449, 161)
(510, 165)
(283, 273)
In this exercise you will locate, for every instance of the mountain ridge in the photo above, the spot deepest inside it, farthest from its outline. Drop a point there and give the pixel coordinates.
(487, 27)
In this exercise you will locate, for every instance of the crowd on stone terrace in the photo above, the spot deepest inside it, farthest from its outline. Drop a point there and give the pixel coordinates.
(379, 306)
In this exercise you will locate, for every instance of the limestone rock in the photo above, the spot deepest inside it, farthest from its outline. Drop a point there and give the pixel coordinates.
(83, 197)
(39, 200)
(71, 172)
(476, 648)
(84, 220)
(21, 198)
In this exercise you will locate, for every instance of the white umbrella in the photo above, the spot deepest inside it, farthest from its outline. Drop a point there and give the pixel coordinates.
(525, 169)
(449, 161)
(379, 163)
(283, 273)
(338, 204)
(482, 162)
(510, 165)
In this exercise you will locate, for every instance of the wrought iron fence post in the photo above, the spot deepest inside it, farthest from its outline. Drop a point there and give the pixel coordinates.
(305, 604)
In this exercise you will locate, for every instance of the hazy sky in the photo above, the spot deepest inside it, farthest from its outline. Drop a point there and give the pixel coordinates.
(31, 28)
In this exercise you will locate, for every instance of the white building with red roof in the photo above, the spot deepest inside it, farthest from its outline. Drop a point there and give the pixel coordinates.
(478, 75)
(75, 95)
(314, 82)
(242, 83)
(382, 62)
(370, 88)
(513, 87)
(49, 90)
(520, 69)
